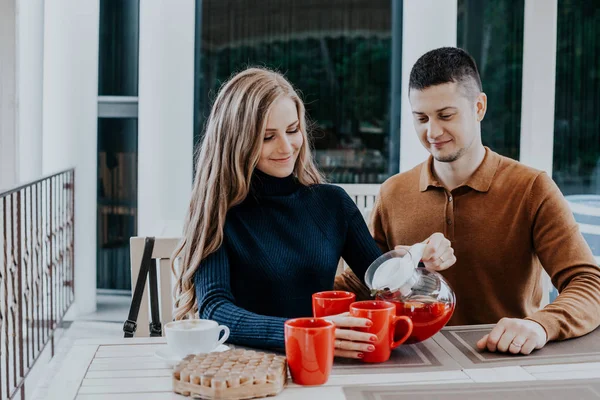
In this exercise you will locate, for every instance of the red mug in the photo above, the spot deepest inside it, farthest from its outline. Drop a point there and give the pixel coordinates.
(309, 347)
(383, 316)
(331, 302)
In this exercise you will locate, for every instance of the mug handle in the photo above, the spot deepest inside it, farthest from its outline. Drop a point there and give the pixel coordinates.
(409, 328)
(225, 336)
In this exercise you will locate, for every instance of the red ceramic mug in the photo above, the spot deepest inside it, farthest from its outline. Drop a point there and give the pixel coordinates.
(309, 346)
(383, 316)
(331, 302)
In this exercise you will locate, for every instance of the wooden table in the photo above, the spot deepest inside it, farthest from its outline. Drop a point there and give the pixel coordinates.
(127, 369)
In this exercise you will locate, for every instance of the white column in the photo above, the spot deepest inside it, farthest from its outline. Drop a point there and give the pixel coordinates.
(8, 92)
(427, 25)
(537, 102)
(165, 114)
(539, 73)
(70, 92)
(30, 56)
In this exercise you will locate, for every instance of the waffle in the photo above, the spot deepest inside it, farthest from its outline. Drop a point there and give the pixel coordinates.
(232, 374)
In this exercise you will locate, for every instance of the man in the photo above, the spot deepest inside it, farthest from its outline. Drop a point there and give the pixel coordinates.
(505, 220)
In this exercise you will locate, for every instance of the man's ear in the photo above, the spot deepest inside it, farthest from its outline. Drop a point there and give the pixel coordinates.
(480, 106)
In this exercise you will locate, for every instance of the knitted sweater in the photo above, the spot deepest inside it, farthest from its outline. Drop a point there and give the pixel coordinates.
(281, 244)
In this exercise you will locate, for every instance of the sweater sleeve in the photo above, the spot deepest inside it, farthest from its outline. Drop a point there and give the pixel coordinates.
(360, 250)
(216, 302)
(376, 224)
(568, 260)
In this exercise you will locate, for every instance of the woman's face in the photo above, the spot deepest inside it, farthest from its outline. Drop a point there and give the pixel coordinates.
(282, 139)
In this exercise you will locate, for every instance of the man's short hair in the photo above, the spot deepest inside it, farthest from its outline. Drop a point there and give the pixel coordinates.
(444, 65)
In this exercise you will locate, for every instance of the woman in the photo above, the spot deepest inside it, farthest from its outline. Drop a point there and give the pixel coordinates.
(262, 233)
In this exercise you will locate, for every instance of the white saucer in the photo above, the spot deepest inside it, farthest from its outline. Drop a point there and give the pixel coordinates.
(172, 359)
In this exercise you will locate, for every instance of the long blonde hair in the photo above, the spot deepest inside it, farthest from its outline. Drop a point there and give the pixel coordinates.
(226, 159)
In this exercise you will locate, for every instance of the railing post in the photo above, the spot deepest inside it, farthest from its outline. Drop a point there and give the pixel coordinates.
(4, 281)
(19, 296)
(72, 233)
(51, 268)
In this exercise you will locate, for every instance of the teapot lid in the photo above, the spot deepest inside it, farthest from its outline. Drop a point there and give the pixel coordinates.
(395, 270)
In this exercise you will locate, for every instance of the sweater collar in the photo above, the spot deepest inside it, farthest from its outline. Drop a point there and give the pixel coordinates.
(266, 185)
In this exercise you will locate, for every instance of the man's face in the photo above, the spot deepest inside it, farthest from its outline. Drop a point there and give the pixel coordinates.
(446, 120)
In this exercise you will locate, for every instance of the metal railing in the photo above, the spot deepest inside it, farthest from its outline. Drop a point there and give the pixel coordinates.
(36, 273)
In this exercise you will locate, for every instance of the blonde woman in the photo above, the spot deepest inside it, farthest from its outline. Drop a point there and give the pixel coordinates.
(263, 233)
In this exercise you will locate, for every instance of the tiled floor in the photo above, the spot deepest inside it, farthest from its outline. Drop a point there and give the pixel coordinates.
(107, 321)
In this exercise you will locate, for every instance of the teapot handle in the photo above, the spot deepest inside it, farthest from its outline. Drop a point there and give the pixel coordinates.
(409, 328)
(416, 252)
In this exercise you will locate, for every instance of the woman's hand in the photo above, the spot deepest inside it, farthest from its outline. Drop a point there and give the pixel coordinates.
(350, 343)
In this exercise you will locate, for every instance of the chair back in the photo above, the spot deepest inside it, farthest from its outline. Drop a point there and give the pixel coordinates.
(364, 195)
(161, 257)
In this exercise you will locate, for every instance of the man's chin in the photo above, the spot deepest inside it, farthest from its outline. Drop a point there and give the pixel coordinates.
(447, 157)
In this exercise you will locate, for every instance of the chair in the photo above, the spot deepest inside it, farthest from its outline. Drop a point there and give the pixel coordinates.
(163, 249)
(364, 195)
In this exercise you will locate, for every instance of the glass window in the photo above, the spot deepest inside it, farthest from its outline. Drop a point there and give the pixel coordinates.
(117, 200)
(576, 167)
(118, 48)
(492, 32)
(337, 54)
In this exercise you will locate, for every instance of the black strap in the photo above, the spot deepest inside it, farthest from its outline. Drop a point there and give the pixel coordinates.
(155, 325)
(146, 268)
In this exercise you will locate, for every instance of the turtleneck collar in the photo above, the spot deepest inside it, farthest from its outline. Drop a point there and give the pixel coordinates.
(266, 185)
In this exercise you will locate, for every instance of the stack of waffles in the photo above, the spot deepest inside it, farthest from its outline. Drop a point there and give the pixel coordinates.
(233, 374)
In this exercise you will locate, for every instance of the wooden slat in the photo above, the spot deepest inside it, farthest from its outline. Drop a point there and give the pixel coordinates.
(134, 396)
(166, 291)
(135, 359)
(150, 348)
(141, 385)
(557, 376)
(124, 351)
(361, 189)
(538, 369)
(564, 371)
(164, 247)
(121, 366)
(129, 373)
(119, 381)
(107, 342)
(499, 374)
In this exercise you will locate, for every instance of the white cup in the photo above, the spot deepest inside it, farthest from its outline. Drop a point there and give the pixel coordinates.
(194, 336)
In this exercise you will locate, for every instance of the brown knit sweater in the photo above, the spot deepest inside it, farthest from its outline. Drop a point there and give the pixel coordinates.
(505, 223)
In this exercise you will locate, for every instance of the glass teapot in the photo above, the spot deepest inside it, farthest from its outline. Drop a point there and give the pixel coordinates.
(423, 295)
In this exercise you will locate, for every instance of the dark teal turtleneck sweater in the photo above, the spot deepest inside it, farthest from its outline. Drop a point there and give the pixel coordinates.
(281, 244)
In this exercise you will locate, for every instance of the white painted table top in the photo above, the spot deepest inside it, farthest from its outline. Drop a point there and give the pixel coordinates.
(127, 369)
